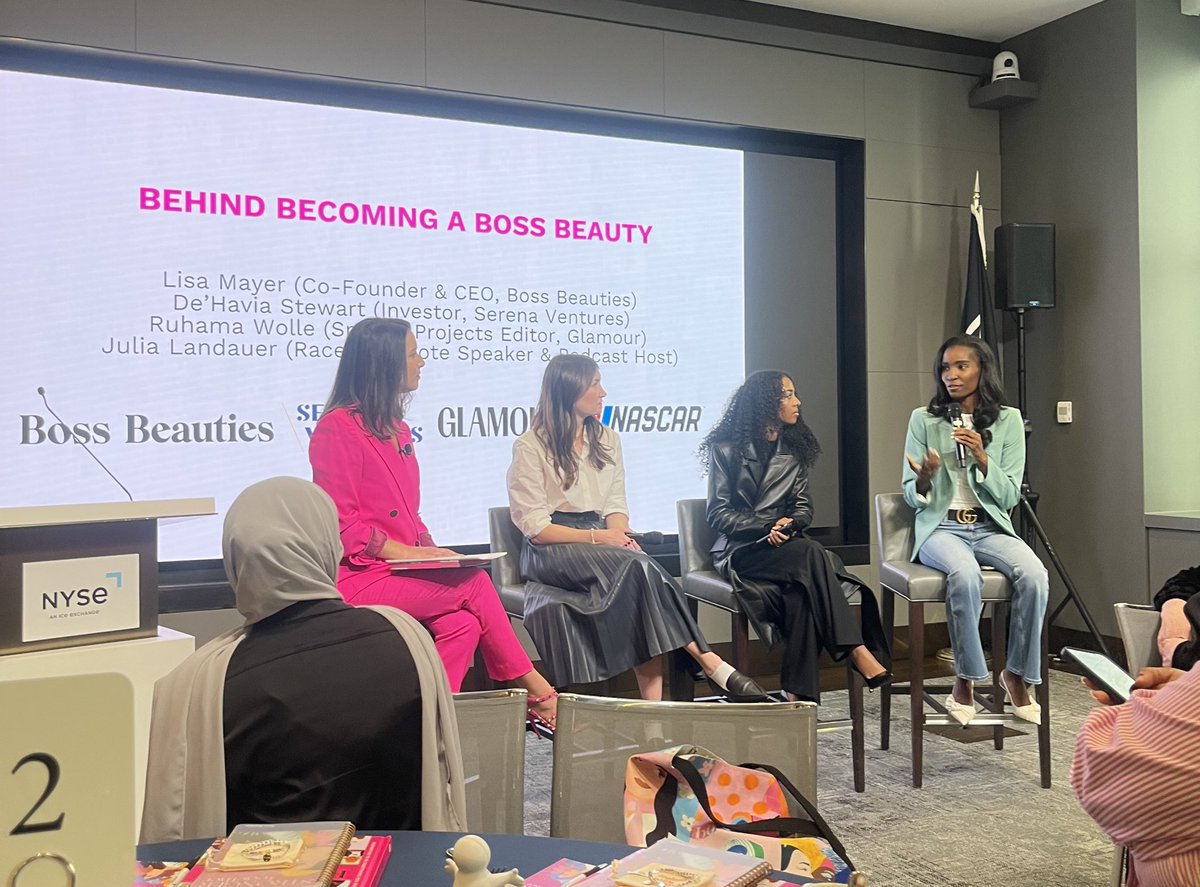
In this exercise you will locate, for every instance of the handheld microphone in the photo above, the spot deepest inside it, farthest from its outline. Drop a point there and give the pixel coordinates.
(954, 414)
(790, 532)
(653, 537)
(42, 391)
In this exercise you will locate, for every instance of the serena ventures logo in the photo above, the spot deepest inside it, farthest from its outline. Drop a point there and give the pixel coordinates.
(77, 596)
(661, 418)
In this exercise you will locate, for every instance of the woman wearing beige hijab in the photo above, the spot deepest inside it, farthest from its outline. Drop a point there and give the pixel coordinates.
(313, 709)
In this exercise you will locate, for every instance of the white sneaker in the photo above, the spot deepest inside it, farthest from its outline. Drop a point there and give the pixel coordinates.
(964, 714)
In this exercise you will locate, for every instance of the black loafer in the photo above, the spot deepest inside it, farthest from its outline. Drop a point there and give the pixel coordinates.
(741, 688)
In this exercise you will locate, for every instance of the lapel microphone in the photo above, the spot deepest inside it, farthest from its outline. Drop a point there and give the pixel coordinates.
(406, 450)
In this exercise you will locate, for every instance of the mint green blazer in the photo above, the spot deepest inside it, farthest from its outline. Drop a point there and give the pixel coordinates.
(998, 492)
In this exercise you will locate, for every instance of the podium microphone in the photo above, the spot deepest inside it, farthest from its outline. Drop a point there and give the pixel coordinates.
(954, 414)
(42, 391)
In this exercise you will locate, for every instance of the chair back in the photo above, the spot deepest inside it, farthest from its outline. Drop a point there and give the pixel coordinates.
(696, 537)
(894, 520)
(503, 535)
(1138, 626)
(595, 736)
(491, 729)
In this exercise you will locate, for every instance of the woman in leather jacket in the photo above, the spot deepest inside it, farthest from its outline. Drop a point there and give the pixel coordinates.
(758, 457)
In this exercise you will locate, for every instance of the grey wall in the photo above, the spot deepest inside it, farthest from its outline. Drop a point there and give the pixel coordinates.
(923, 142)
(1071, 158)
(1168, 133)
(1107, 152)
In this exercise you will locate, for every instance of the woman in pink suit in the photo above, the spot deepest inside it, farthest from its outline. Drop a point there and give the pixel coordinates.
(362, 456)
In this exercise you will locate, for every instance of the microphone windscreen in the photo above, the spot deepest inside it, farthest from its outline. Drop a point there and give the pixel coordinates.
(41, 391)
(651, 538)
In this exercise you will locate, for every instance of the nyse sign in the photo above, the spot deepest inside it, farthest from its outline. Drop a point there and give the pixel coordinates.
(77, 596)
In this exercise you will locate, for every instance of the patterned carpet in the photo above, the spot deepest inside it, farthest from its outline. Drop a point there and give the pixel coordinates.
(981, 819)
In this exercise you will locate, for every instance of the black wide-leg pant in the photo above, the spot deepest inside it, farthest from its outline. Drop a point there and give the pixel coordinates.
(804, 598)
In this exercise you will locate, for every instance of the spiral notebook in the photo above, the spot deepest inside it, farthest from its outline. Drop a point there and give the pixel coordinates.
(675, 863)
(294, 854)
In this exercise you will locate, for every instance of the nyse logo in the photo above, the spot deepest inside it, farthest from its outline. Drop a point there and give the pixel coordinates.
(78, 596)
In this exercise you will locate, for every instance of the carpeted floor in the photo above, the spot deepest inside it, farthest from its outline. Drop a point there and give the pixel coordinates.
(981, 819)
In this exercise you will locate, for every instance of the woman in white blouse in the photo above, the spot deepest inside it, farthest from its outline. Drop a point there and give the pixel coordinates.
(595, 604)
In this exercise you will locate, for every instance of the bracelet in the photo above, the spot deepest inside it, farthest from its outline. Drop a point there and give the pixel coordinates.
(593, 535)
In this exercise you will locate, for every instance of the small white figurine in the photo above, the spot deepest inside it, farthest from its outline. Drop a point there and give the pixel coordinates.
(468, 864)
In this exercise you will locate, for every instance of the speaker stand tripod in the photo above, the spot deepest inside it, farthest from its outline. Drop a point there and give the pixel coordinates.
(1031, 527)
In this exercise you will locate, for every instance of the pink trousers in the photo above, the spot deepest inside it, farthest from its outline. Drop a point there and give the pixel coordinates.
(461, 610)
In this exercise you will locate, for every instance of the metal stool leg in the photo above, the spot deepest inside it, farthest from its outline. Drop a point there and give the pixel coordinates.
(916, 691)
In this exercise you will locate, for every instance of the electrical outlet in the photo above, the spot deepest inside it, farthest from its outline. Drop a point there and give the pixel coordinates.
(1063, 412)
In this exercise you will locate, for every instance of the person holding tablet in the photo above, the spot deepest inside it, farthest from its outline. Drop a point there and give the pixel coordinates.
(758, 457)
(362, 455)
(964, 458)
(597, 605)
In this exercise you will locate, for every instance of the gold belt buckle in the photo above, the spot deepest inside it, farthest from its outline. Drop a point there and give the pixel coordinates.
(966, 516)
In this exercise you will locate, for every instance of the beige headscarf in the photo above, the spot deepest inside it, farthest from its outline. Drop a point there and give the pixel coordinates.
(281, 546)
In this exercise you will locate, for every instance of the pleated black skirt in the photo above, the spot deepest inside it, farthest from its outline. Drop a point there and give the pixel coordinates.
(595, 611)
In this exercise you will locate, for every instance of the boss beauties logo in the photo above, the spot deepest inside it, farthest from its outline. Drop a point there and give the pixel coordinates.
(663, 418)
(140, 429)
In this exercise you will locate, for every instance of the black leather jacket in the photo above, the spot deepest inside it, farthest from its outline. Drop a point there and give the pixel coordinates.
(745, 499)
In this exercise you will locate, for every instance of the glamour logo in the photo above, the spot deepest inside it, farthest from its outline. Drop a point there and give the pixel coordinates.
(663, 418)
(490, 421)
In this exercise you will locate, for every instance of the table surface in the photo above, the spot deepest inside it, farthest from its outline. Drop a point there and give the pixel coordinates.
(419, 857)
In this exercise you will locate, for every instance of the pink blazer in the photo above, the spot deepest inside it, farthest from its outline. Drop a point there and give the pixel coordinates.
(377, 492)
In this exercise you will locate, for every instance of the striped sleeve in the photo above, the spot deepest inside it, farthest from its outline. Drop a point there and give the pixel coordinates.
(1133, 764)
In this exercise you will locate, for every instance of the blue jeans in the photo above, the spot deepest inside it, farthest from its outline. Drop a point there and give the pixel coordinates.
(958, 550)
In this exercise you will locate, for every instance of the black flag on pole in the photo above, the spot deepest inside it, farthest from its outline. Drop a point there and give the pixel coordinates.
(978, 318)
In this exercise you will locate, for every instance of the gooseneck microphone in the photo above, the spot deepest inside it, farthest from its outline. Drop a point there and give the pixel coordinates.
(954, 414)
(653, 537)
(42, 391)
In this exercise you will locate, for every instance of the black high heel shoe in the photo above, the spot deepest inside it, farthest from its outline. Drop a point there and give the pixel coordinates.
(884, 677)
(740, 688)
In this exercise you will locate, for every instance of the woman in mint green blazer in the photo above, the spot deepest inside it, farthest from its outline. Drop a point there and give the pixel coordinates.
(963, 522)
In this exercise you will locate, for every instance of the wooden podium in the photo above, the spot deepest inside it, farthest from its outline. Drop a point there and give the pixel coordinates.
(82, 574)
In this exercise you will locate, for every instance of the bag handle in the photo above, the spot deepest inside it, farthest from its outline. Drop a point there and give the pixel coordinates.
(815, 826)
(810, 808)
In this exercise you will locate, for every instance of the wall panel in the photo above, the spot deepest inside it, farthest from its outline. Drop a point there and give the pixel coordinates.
(496, 50)
(367, 39)
(721, 80)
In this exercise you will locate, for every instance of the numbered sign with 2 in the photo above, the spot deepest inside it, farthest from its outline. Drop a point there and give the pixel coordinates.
(66, 782)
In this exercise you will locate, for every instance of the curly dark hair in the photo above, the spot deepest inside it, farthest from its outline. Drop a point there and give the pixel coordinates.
(991, 391)
(751, 412)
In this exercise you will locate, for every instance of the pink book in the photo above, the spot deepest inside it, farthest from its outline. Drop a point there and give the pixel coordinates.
(364, 862)
(564, 873)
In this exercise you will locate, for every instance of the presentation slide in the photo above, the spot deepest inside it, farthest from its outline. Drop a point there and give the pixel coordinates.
(180, 269)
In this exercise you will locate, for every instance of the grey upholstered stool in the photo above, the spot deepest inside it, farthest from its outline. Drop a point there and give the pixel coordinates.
(701, 583)
(920, 585)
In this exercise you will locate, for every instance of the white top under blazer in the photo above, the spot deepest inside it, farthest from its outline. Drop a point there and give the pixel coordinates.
(535, 490)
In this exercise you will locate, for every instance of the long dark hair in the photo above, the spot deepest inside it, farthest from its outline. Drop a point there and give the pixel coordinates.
(372, 376)
(753, 409)
(991, 392)
(555, 424)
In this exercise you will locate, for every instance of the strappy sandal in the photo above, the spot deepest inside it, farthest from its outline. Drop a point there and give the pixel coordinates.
(537, 723)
